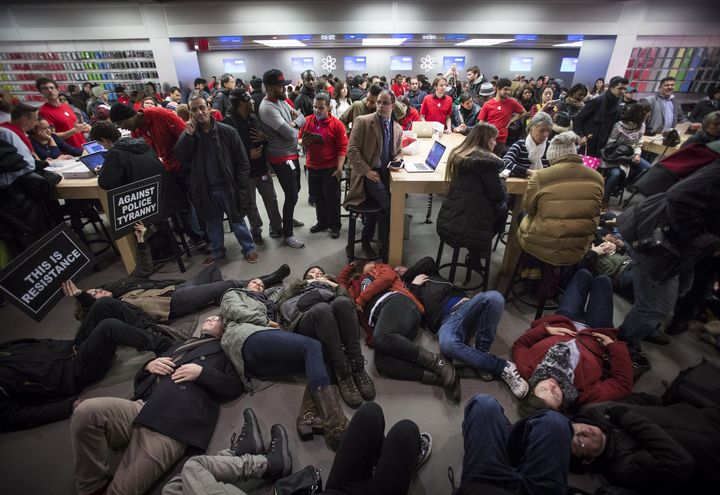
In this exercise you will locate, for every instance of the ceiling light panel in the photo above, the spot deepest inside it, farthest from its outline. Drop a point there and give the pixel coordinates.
(383, 41)
(484, 41)
(281, 43)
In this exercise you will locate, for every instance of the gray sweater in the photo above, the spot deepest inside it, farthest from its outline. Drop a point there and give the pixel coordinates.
(282, 138)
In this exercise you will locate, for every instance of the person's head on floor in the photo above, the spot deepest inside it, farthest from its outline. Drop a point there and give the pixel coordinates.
(588, 442)
(105, 133)
(213, 325)
(385, 104)
(125, 117)
(256, 285)
(562, 145)
(369, 266)
(313, 272)
(99, 293)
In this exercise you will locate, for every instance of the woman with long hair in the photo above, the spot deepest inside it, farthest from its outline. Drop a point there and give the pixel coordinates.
(573, 102)
(340, 100)
(597, 90)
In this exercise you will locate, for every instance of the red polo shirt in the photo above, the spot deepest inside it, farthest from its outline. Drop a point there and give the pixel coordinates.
(436, 109)
(322, 156)
(161, 130)
(412, 116)
(63, 119)
(499, 113)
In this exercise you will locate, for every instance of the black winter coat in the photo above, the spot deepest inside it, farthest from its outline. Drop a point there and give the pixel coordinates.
(188, 411)
(233, 162)
(258, 166)
(597, 117)
(131, 160)
(474, 209)
(221, 101)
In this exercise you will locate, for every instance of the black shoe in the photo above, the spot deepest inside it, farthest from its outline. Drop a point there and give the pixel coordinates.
(275, 234)
(334, 233)
(368, 250)
(258, 239)
(677, 327)
(317, 228)
(297, 223)
(641, 364)
(276, 277)
(658, 338)
(348, 390)
(425, 449)
(250, 440)
(279, 462)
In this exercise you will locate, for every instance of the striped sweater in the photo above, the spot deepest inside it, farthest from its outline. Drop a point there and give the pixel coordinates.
(516, 159)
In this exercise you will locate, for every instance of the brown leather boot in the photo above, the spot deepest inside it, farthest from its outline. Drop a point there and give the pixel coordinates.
(334, 420)
(309, 420)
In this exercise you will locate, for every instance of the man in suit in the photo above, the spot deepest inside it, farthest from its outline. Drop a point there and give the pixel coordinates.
(375, 141)
(175, 407)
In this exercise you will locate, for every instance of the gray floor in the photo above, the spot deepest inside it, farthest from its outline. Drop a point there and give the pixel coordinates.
(39, 461)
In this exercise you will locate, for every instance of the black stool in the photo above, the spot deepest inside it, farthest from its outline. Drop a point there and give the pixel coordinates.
(354, 213)
(178, 244)
(484, 269)
(540, 304)
(82, 213)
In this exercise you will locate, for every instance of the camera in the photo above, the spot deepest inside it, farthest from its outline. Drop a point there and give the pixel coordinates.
(651, 244)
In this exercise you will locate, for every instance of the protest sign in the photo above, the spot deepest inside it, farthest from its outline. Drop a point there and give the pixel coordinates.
(139, 201)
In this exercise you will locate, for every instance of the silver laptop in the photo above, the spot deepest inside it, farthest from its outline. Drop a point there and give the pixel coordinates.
(431, 162)
(423, 129)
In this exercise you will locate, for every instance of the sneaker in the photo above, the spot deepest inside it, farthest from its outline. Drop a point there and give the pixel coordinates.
(658, 338)
(335, 233)
(294, 242)
(518, 386)
(641, 364)
(317, 228)
(276, 233)
(279, 462)
(252, 257)
(297, 223)
(250, 440)
(258, 239)
(425, 449)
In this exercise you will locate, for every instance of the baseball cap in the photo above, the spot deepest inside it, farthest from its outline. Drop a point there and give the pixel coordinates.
(275, 77)
(486, 89)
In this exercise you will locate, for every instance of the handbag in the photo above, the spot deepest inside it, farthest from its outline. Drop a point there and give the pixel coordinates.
(671, 139)
(307, 481)
(589, 161)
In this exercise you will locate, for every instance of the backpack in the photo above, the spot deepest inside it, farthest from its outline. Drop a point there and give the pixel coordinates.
(697, 385)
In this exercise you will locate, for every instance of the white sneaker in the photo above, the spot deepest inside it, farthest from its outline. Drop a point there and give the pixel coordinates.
(518, 386)
(294, 242)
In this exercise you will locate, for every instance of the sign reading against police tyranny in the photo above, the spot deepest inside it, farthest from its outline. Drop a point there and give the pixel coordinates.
(139, 201)
(32, 281)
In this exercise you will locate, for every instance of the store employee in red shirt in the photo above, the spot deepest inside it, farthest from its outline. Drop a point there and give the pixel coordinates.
(325, 140)
(159, 127)
(501, 111)
(60, 115)
(437, 106)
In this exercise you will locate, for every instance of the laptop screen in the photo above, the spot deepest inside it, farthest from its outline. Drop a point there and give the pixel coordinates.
(93, 160)
(436, 153)
(92, 147)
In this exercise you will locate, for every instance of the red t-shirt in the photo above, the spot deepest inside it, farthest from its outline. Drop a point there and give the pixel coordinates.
(436, 109)
(330, 90)
(499, 113)
(217, 115)
(412, 116)
(321, 156)
(398, 89)
(161, 130)
(20, 133)
(63, 119)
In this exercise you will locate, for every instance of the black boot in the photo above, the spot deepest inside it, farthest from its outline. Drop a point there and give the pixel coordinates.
(250, 440)
(276, 277)
(452, 393)
(348, 390)
(363, 381)
(279, 462)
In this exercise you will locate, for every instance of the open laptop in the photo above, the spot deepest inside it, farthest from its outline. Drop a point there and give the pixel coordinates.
(92, 147)
(93, 160)
(423, 129)
(431, 162)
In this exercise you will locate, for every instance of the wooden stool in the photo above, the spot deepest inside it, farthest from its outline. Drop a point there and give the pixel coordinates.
(354, 213)
(540, 304)
(484, 270)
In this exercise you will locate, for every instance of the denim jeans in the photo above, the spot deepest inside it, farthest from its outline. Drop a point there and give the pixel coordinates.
(289, 179)
(216, 234)
(273, 353)
(654, 303)
(588, 300)
(479, 318)
(535, 464)
(615, 177)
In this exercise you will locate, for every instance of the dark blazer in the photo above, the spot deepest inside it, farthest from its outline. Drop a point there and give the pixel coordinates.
(188, 411)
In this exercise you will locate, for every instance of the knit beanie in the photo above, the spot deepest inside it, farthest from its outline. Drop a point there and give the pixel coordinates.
(563, 144)
(120, 112)
(557, 364)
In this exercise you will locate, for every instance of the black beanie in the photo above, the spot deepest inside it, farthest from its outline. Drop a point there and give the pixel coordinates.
(120, 112)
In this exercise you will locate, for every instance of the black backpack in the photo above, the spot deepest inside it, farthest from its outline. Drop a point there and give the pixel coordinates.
(697, 385)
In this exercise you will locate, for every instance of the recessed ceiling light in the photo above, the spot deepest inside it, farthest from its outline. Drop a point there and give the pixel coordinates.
(484, 41)
(281, 43)
(573, 44)
(383, 41)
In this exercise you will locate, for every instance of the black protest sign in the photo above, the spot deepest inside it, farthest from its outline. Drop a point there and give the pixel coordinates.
(32, 281)
(139, 201)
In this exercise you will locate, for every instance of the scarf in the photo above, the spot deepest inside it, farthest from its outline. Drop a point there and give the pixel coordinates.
(557, 364)
(535, 152)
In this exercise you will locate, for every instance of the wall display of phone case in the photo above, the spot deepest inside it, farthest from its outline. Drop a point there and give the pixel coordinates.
(695, 69)
(128, 68)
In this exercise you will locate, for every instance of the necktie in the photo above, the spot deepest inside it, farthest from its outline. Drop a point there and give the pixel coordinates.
(385, 158)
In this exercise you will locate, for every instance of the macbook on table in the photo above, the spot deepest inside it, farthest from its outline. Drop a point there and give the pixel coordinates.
(94, 160)
(431, 162)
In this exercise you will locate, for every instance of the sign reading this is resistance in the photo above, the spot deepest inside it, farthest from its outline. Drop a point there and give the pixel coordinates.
(139, 201)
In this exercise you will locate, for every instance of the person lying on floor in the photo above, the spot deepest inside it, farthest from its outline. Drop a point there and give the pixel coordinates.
(573, 357)
(456, 319)
(318, 307)
(40, 380)
(258, 348)
(175, 408)
(393, 314)
(143, 302)
(643, 445)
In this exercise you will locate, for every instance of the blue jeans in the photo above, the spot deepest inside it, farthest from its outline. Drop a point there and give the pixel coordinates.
(615, 177)
(214, 228)
(537, 461)
(273, 353)
(588, 300)
(479, 318)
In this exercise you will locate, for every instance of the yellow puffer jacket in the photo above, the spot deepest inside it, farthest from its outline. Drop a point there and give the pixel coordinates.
(563, 204)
